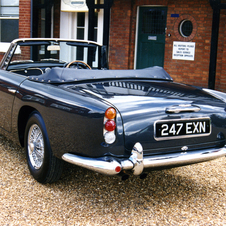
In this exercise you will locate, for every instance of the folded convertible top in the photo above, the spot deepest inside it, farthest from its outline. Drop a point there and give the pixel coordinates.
(65, 75)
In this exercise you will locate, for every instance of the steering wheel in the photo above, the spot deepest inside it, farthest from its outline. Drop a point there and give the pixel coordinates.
(79, 65)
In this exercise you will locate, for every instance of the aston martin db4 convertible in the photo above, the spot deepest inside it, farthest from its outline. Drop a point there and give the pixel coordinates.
(61, 103)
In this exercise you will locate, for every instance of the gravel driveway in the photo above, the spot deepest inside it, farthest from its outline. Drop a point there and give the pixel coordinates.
(191, 195)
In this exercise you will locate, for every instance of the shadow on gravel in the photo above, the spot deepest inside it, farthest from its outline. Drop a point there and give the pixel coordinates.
(160, 190)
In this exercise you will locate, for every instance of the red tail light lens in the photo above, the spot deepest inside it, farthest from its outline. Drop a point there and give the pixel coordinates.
(118, 169)
(110, 125)
(110, 113)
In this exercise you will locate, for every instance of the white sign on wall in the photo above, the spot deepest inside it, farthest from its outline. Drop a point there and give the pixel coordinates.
(183, 50)
(74, 6)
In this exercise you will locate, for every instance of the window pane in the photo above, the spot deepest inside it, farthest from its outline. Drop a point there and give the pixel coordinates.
(80, 33)
(80, 53)
(9, 11)
(81, 19)
(9, 30)
(9, 2)
(185, 28)
(153, 22)
(95, 35)
(43, 23)
(95, 19)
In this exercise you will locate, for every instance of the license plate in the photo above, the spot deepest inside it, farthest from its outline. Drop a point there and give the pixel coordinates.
(182, 128)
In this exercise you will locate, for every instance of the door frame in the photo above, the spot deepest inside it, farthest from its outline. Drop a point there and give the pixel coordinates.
(36, 18)
(137, 24)
(70, 31)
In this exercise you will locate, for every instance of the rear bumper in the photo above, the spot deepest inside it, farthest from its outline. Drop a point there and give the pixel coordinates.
(137, 163)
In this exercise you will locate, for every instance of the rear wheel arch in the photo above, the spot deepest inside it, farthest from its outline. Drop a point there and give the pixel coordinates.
(43, 165)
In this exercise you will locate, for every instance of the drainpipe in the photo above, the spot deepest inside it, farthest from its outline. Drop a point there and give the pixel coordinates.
(215, 4)
(31, 22)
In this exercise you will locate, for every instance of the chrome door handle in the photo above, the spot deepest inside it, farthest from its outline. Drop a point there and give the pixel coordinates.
(12, 90)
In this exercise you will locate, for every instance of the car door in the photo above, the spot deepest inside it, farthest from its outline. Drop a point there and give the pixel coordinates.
(9, 83)
(151, 37)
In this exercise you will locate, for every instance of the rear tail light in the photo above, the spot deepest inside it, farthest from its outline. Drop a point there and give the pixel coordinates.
(110, 113)
(109, 137)
(109, 126)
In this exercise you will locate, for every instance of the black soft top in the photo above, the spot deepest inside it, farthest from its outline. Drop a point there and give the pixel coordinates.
(65, 75)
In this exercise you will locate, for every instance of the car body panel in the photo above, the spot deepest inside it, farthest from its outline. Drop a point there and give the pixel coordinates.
(69, 120)
(9, 84)
(141, 108)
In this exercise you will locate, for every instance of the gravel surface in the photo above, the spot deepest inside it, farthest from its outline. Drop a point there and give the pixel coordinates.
(191, 195)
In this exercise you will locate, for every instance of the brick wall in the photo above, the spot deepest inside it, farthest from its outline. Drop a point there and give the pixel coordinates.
(191, 72)
(24, 26)
(25, 19)
(120, 35)
(221, 55)
(123, 32)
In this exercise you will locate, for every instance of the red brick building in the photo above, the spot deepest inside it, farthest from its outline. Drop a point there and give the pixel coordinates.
(123, 38)
(175, 34)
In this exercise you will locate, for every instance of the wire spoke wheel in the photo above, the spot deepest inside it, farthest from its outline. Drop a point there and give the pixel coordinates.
(43, 165)
(36, 146)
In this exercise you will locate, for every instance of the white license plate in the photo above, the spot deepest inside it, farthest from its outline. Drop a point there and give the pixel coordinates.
(182, 128)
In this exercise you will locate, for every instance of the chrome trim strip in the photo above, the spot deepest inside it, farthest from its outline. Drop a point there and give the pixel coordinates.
(97, 165)
(127, 165)
(182, 108)
(54, 40)
(184, 158)
(182, 136)
(178, 159)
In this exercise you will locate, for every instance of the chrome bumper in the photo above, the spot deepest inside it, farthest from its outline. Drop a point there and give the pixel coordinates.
(136, 162)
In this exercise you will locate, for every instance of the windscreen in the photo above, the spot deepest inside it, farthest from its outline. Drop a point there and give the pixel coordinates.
(62, 52)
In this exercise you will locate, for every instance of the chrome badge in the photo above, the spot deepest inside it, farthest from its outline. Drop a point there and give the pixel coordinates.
(185, 148)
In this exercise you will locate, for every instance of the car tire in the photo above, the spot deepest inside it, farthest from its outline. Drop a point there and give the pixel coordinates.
(43, 165)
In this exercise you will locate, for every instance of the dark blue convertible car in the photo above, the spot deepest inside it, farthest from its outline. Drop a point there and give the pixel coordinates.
(59, 100)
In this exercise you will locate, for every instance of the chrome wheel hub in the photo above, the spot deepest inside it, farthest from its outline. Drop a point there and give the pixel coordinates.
(35, 146)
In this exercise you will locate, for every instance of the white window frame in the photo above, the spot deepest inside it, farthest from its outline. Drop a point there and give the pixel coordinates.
(4, 45)
(68, 26)
(70, 31)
